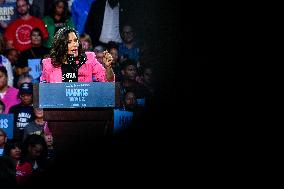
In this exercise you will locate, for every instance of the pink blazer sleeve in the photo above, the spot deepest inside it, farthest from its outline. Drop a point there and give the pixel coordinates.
(98, 71)
(46, 69)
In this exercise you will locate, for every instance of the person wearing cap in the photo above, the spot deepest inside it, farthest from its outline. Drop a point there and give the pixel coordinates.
(69, 63)
(23, 112)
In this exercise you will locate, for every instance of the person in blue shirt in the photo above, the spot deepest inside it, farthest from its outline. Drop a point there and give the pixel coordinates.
(129, 48)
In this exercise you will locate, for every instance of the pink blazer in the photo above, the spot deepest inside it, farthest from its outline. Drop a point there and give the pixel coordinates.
(91, 68)
(10, 98)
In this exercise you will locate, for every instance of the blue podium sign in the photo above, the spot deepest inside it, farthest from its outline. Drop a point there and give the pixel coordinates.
(35, 66)
(76, 95)
(122, 120)
(7, 124)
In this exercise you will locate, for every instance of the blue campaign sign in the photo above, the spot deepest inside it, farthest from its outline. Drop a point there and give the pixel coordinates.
(122, 119)
(7, 124)
(76, 95)
(35, 66)
(8, 12)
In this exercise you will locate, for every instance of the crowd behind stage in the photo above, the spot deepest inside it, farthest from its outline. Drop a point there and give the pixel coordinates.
(27, 29)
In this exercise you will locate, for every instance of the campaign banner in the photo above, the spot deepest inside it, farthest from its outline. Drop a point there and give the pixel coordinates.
(35, 66)
(8, 13)
(7, 124)
(76, 95)
(122, 119)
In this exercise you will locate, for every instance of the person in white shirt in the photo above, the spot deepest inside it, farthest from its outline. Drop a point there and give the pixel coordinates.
(105, 20)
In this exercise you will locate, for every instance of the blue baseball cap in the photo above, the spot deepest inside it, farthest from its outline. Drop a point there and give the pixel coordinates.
(26, 88)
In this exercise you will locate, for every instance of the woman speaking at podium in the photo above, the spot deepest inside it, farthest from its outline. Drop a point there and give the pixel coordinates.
(69, 63)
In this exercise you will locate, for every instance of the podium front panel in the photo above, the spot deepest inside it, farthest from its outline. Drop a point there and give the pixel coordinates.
(76, 95)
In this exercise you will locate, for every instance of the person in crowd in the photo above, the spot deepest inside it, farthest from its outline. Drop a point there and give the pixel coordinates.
(80, 10)
(113, 50)
(129, 69)
(129, 48)
(58, 17)
(35, 152)
(36, 126)
(2, 107)
(99, 51)
(23, 112)
(36, 53)
(147, 78)
(8, 94)
(17, 34)
(3, 140)
(48, 137)
(69, 63)
(24, 78)
(24, 171)
(130, 101)
(128, 82)
(5, 62)
(12, 55)
(86, 42)
(105, 20)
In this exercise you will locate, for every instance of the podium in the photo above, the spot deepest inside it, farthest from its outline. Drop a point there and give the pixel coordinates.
(77, 112)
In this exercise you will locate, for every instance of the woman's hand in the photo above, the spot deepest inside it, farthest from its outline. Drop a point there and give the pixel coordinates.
(107, 59)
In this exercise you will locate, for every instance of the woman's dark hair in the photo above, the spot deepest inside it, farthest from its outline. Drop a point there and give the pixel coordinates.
(3, 70)
(32, 141)
(59, 47)
(65, 14)
(11, 144)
